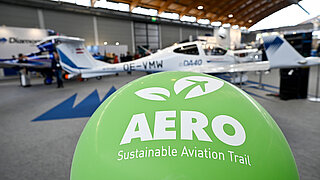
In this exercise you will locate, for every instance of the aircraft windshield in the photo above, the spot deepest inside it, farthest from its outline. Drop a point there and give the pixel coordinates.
(210, 50)
(190, 49)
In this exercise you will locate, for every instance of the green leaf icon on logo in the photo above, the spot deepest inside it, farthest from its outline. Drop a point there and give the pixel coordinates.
(154, 93)
(202, 85)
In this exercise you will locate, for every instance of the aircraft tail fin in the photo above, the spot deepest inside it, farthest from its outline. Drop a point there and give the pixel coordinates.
(281, 54)
(74, 57)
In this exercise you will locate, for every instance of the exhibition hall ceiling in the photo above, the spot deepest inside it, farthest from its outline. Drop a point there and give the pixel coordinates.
(236, 12)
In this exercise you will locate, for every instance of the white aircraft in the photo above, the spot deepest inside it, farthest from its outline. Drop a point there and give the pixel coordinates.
(191, 56)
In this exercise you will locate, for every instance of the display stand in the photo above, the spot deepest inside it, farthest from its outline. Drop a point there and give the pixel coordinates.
(260, 86)
(240, 84)
(24, 78)
(316, 98)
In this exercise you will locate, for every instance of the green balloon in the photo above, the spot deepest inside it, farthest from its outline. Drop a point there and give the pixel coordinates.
(182, 125)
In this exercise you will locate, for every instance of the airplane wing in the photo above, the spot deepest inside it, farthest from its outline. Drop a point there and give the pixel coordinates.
(241, 67)
(10, 63)
(60, 38)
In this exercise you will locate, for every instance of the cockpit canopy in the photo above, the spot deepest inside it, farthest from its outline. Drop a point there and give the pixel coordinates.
(212, 50)
(208, 49)
(188, 49)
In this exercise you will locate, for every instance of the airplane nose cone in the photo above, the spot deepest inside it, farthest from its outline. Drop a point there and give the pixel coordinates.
(148, 129)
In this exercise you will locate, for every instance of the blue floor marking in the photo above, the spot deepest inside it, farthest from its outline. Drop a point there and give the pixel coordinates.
(65, 109)
(267, 85)
(224, 77)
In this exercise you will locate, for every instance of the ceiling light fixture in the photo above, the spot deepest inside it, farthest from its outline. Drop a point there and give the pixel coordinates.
(235, 27)
(216, 23)
(227, 25)
(200, 7)
(250, 21)
(230, 16)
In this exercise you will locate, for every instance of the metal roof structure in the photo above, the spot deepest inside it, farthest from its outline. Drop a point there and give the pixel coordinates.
(236, 12)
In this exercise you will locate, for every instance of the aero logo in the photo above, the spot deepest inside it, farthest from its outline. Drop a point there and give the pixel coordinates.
(200, 86)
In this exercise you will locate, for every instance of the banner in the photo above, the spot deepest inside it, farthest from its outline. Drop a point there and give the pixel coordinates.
(14, 40)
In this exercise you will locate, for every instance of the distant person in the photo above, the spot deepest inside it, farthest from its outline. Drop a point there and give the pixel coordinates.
(137, 56)
(116, 60)
(122, 58)
(23, 71)
(98, 56)
(15, 68)
(21, 58)
(128, 57)
(57, 69)
(264, 55)
(318, 50)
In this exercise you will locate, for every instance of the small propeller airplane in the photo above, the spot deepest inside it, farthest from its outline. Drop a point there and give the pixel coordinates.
(191, 56)
(40, 61)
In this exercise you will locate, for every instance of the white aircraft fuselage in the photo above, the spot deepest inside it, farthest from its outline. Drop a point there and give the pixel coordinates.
(174, 58)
